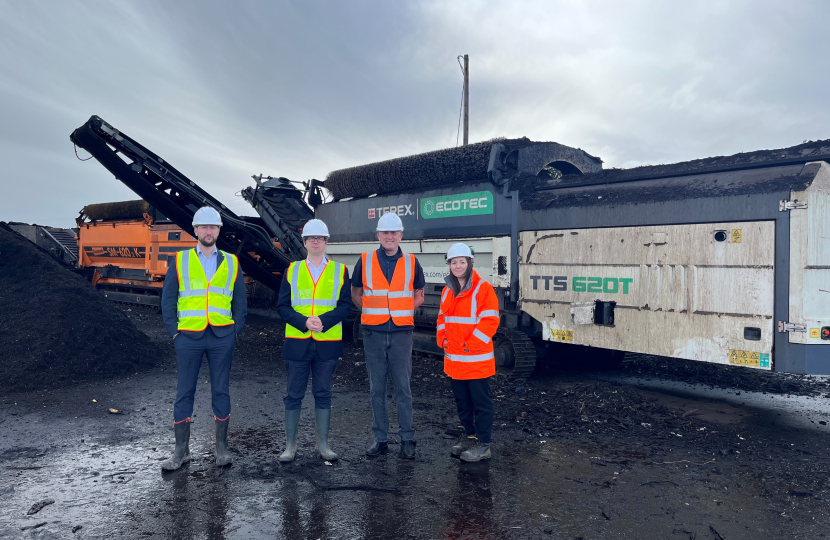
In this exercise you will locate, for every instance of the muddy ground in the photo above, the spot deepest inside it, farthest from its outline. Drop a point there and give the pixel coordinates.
(642, 452)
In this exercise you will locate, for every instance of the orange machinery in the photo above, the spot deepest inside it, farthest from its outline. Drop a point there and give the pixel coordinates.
(127, 245)
(125, 248)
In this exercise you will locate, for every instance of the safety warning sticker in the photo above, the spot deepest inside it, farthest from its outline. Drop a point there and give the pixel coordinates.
(736, 236)
(814, 332)
(749, 358)
(561, 335)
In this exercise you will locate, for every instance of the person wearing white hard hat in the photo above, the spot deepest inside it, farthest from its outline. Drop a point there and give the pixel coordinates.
(388, 285)
(204, 306)
(467, 321)
(314, 299)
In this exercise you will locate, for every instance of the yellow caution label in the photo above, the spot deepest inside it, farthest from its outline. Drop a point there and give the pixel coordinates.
(749, 358)
(737, 234)
(561, 335)
(814, 332)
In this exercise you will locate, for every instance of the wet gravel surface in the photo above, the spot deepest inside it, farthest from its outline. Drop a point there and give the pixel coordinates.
(575, 455)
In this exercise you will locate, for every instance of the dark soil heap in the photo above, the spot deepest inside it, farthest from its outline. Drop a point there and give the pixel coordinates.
(55, 328)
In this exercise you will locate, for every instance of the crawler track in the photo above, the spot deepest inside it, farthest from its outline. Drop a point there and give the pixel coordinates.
(524, 352)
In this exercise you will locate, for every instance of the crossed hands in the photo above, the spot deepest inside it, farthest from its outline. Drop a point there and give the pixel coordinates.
(314, 324)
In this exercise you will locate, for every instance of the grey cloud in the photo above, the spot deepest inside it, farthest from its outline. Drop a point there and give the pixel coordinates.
(224, 90)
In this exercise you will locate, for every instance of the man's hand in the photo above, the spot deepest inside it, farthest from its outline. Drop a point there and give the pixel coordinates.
(419, 298)
(357, 296)
(445, 344)
(314, 324)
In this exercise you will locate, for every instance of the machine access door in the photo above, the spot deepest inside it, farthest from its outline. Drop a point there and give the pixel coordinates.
(700, 291)
(810, 261)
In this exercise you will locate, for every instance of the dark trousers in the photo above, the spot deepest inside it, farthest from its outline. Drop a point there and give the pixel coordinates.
(189, 353)
(389, 355)
(321, 372)
(475, 407)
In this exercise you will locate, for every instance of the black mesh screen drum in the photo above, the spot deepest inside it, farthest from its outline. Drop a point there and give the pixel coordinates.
(441, 167)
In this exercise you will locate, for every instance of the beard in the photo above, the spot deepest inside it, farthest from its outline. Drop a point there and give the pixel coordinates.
(205, 243)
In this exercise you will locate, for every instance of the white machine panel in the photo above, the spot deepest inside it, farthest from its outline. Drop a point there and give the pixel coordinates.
(702, 291)
(810, 261)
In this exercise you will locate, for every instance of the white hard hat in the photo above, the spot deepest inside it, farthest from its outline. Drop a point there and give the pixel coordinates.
(207, 216)
(459, 250)
(315, 227)
(390, 222)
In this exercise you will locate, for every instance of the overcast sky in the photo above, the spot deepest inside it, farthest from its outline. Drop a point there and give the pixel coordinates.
(224, 90)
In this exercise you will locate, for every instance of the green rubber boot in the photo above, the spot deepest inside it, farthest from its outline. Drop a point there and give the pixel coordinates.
(223, 457)
(292, 421)
(323, 418)
(181, 454)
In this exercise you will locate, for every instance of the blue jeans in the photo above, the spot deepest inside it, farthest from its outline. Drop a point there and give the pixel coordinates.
(189, 353)
(321, 372)
(389, 354)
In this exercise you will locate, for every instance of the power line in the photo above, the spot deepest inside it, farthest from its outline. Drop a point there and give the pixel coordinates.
(461, 106)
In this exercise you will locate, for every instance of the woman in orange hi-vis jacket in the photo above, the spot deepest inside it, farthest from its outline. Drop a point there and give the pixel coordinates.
(467, 322)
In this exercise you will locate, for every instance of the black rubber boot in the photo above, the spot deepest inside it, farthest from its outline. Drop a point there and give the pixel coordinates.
(407, 449)
(292, 421)
(223, 457)
(181, 454)
(377, 449)
(323, 421)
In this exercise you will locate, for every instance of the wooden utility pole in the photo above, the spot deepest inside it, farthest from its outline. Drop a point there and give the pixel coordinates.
(466, 99)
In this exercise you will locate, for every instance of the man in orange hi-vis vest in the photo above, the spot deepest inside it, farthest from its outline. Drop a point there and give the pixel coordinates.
(467, 321)
(388, 285)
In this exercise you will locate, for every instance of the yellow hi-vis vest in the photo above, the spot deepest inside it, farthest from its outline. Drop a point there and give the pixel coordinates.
(202, 303)
(309, 298)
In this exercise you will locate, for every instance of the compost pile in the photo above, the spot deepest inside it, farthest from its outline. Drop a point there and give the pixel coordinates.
(725, 376)
(448, 166)
(55, 328)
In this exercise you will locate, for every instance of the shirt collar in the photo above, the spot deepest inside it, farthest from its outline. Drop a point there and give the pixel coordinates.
(322, 264)
(199, 250)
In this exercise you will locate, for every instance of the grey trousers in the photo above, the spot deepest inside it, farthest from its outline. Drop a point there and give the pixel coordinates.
(389, 354)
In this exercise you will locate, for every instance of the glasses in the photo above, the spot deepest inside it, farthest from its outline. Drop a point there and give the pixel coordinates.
(316, 238)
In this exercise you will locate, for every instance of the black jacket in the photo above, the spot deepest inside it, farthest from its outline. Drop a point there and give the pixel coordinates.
(294, 349)
(170, 299)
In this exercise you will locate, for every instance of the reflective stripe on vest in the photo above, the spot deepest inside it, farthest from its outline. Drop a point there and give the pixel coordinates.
(470, 357)
(201, 302)
(315, 298)
(481, 335)
(472, 319)
(382, 300)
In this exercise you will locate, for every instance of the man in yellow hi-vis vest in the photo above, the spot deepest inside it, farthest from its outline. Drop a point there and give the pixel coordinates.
(314, 299)
(204, 307)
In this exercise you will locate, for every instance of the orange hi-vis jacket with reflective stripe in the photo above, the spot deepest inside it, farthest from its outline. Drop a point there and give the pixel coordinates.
(468, 322)
(382, 299)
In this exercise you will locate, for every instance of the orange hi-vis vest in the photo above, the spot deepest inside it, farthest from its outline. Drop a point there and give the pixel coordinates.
(382, 299)
(468, 322)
